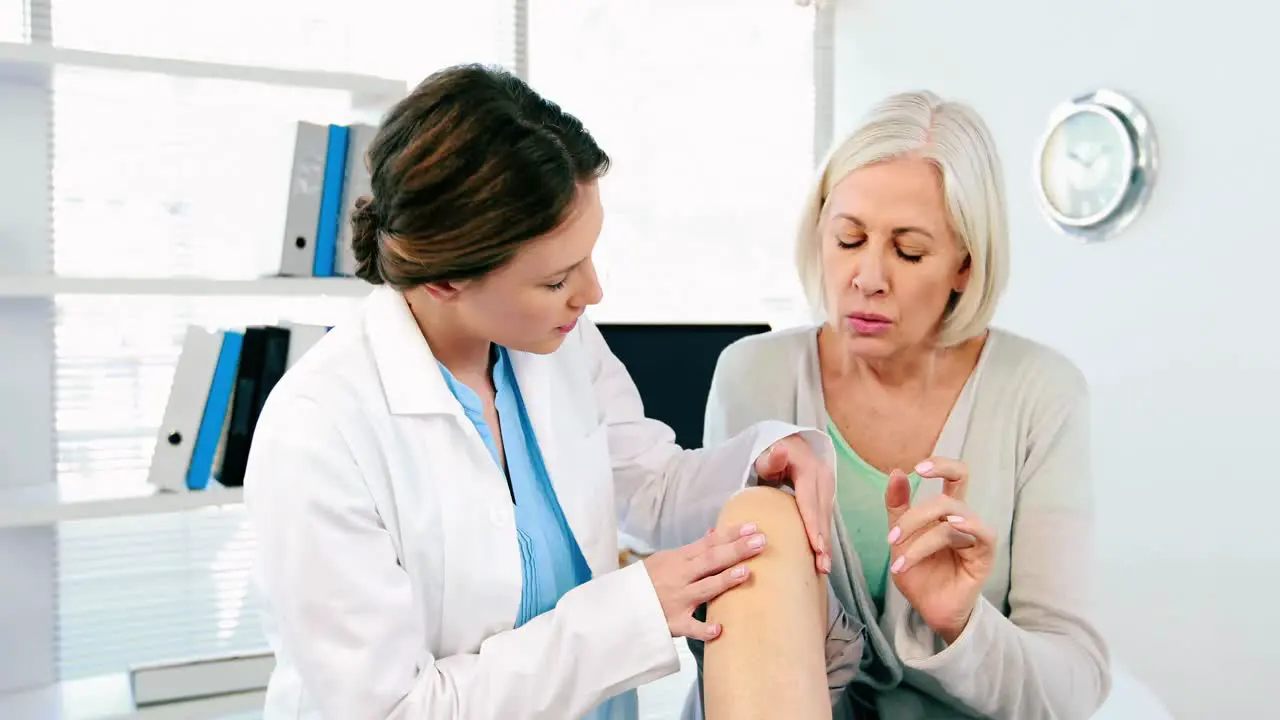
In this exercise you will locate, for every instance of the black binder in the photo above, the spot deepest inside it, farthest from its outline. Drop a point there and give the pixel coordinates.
(262, 364)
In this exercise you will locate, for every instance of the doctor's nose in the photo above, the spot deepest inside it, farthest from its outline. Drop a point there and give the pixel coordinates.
(591, 292)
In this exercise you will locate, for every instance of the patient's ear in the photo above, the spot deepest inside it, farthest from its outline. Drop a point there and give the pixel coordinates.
(962, 275)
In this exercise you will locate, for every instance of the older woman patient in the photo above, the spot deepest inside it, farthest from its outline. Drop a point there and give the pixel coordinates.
(965, 526)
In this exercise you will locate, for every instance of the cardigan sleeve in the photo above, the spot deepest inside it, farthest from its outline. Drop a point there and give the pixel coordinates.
(1046, 659)
(746, 388)
(724, 417)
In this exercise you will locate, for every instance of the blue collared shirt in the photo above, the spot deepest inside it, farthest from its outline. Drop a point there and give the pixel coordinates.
(552, 560)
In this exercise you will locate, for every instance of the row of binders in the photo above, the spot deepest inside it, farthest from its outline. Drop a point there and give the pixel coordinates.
(328, 175)
(222, 379)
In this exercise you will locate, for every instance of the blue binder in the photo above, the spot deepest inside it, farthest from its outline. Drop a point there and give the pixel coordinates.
(215, 411)
(335, 172)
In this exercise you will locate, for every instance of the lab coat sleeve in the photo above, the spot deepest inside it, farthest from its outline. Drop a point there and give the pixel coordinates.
(347, 615)
(667, 496)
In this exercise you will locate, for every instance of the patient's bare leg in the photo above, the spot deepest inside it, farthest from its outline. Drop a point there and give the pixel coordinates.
(769, 661)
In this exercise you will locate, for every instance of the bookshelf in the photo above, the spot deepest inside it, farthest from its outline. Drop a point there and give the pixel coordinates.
(48, 503)
(43, 502)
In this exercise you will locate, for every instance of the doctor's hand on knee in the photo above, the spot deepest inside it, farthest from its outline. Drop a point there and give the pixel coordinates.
(790, 461)
(687, 577)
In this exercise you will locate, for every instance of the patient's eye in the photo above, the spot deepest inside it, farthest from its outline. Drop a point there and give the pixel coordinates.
(849, 240)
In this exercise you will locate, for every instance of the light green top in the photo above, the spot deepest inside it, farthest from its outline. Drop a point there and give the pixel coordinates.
(860, 501)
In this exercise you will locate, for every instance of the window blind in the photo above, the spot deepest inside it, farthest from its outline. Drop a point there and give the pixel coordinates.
(161, 176)
(707, 109)
(334, 35)
(15, 26)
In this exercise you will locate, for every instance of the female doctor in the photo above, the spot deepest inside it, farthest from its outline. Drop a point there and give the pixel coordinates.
(436, 488)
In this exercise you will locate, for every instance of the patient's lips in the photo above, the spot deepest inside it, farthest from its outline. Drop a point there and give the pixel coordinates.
(868, 323)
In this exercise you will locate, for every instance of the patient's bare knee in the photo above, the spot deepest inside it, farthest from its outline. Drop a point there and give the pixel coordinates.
(769, 660)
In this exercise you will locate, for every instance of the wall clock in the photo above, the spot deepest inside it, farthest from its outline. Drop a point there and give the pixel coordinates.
(1096, 165)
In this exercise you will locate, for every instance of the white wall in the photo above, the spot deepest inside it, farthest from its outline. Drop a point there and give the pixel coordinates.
(1174, 322)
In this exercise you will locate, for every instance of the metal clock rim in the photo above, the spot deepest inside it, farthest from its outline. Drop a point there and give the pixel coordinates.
(1142, 144)
(1061, 116)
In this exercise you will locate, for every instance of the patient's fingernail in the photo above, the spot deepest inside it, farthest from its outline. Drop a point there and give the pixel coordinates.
(822, 544)
(955, 519)
(924, 467)
(894, 534)
(826, 563)
(748, 529)
(740, 571)
(897, 564)
(755, 542)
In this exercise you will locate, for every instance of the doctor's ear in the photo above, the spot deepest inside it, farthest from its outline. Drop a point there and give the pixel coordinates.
(445, 291)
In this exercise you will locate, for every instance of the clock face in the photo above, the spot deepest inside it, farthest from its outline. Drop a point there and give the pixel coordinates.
(1086, 166)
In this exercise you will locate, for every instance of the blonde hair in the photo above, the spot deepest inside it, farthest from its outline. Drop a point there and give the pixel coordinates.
(955, 139)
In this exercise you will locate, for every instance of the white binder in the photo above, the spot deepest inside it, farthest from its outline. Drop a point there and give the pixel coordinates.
(185, 410)
(302, 218)
(301, 338)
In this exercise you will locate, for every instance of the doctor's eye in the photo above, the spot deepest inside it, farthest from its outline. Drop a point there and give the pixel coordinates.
(557, 286)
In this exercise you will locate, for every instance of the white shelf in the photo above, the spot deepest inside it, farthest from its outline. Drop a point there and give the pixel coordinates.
(52, 286)
(654, 309)
(109, 697)
(372, 89)
(49, 504)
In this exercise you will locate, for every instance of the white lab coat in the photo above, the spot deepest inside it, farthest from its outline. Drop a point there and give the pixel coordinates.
(386, 536)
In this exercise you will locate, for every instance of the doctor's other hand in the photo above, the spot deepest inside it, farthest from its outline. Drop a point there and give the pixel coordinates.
(791, 461)
(689, 576)
(941, 553)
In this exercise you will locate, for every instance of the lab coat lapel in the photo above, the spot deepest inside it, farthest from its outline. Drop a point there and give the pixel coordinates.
(534, 375)
(537, 377)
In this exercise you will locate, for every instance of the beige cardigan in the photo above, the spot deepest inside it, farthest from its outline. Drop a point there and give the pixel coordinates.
(1021, 424)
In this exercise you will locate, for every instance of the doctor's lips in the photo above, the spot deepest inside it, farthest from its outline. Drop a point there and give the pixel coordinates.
(566, 329)
(868, 323)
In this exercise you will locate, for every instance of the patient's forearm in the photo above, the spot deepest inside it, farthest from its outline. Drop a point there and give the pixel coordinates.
(769, 661)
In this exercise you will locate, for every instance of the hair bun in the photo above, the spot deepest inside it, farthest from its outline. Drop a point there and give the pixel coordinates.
(364, 240)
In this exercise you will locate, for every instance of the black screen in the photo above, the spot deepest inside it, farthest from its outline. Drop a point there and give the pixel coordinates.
(672, 365)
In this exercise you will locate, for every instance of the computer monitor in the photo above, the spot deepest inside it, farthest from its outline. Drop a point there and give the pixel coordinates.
(672, 364)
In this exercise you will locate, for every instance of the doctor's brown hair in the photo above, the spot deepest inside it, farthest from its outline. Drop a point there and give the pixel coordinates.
(464, 171)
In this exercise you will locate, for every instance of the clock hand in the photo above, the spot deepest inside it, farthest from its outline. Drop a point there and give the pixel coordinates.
(1074, 156)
